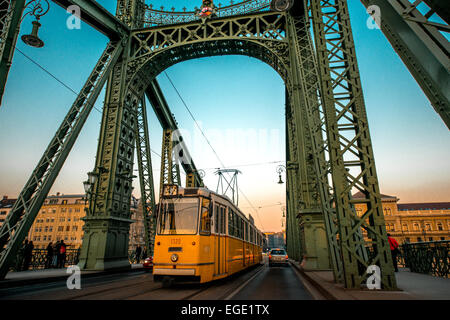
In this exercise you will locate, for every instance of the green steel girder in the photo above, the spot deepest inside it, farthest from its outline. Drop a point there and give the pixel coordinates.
(10, 17)
(170, 172)
(167, 121)
(106, 229)
(307, 78)
(18, 222)
(421, 46)
(350, 149)
(99, 18)
(146, 176)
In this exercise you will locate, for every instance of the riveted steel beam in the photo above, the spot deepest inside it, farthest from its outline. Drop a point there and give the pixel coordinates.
(10, 17)
(145, 176)
(350, 149)
(421, 46)
(168, 122)
(98, 17)
(21, 217)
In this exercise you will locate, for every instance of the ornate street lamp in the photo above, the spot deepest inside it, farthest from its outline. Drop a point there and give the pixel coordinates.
(280, 169)
(37, 10)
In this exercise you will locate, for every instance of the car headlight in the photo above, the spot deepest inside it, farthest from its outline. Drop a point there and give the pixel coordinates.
(174, 257)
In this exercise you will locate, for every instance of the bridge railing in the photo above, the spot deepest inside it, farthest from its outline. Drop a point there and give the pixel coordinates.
(426, 257)
(40, 260)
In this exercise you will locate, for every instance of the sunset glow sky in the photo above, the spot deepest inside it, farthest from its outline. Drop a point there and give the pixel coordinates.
(239, 103)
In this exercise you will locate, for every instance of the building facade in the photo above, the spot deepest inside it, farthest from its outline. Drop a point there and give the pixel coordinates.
(274, 240)
(60, 218)
(5, 207)
(413, 222)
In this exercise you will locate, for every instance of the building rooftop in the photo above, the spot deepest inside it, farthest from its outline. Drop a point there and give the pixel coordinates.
(360, 195)
(424, 206)
(6, 202)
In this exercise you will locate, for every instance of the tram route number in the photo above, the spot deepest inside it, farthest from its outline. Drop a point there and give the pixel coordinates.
(175, 241)
(237, 309)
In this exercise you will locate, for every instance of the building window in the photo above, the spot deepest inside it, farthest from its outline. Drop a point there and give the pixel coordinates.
(430, 239)
(63, 210)
(77, 210)
(416, 227)
(428, 227)
(3, 213)
(442, 238)
(60, 228)
(439, 226)
(67, 228)
(405, 227)
(64, 202)
(419, 239)
(74, 228)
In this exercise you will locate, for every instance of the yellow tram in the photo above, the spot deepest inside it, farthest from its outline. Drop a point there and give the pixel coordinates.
(202, 236)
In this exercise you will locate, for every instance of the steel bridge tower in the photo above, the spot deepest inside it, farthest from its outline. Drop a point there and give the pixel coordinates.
(328, 145)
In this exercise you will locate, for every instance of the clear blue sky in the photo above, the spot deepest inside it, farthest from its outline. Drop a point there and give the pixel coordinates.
(240, 104)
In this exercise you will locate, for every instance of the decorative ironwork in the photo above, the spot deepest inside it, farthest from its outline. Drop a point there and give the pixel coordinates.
(35, 8)
(40, 260)
(427, 257)
(154, 17)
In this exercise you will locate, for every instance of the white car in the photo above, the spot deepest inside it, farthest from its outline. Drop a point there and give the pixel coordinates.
(278, 256)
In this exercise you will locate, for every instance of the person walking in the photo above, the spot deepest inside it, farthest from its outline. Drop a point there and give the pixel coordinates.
(49, 257)
(62, 254)
(58, 253)
(393, 244)
(138, 254)
(28, 255)
(55, 255)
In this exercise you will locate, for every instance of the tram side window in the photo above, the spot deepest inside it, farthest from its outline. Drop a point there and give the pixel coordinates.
(222, 218)
(236, 225)
(230, 223)
(205, 222)
(245, 231)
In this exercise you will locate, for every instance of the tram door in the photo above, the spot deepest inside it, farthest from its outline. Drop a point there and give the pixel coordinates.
(223, 241)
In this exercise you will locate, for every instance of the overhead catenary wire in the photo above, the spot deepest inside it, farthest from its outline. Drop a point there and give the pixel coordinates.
(62, 83)
(179, 95)
(207, 140)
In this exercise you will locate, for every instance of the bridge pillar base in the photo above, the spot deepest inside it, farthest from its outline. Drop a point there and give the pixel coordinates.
(316, 254)
(105, 244)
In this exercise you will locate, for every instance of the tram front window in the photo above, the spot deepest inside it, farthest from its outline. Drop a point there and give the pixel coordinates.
(179, 216)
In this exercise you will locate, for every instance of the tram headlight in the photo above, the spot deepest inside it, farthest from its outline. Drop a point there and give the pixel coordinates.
(174, 257)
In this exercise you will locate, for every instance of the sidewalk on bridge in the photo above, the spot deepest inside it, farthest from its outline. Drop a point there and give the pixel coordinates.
(413, 286)
(15, 279)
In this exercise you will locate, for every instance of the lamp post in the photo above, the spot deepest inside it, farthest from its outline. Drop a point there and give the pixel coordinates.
(280, 170)
(36, 9)
(88, 185)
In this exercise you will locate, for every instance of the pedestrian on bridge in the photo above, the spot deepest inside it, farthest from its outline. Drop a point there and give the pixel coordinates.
(394, 250)
(49, 257)
(138, 254)
(62, 254)
(28, 255)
